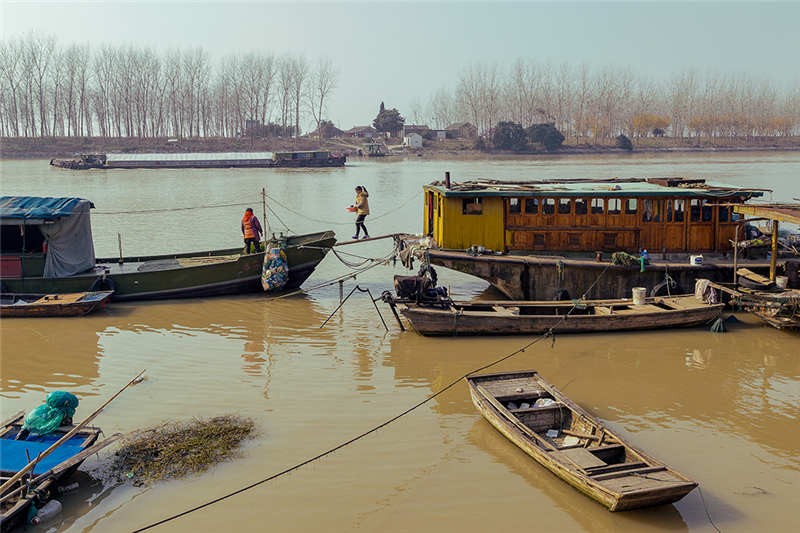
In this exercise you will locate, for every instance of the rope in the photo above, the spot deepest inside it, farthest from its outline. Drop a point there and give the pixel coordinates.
(169, 209)
(441, 391)
(338, 223)
(703, 500)
(279, 218)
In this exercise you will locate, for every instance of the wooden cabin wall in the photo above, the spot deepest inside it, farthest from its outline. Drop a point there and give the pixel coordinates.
(454, 228)
(612, 224)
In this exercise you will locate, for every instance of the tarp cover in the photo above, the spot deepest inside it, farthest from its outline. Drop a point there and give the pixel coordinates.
(35, 207)
(70, 249)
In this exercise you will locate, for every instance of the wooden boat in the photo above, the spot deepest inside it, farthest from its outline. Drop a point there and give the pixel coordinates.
(26, 268)
(49, 305)
(573, 444)
(48, 474)
(524, 318)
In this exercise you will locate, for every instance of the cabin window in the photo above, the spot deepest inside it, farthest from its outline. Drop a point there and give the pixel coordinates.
(597, 206)
(723, 213)
(651, 211)
(580, 206)
(679, 209)
(694, 210)
(609, 240)
(549, 206)
(472, 206)
(614, 206)
(514, 206)
(538, 239)
(631, 206)
(564, 206)
(12, 239)
(531, 206)
(707, 211)
(574, 239)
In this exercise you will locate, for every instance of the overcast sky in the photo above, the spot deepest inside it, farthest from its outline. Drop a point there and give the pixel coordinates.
(397, 52)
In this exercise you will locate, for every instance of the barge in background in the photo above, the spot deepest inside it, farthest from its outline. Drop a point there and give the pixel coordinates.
(204, 160)
(553, 239)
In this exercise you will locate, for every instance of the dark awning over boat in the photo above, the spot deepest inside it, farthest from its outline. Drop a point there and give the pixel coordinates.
(38, 208)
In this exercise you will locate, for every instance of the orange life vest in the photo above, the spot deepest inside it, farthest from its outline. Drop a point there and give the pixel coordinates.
(249, 232)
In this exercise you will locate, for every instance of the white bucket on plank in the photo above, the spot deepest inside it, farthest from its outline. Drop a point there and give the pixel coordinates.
(695, 259)
(639, 295)
(781, 281)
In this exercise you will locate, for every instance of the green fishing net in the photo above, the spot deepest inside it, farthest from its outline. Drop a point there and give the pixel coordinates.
(48, 416)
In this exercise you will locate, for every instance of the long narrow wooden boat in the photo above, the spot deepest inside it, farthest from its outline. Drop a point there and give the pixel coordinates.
(524, 318)
(50, 305)
(573, 444)
(48, 474)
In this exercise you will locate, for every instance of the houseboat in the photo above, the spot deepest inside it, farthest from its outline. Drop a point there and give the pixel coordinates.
(553, 239)
(46, 247)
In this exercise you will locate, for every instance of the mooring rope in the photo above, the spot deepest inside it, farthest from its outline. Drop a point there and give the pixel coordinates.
(342, 223)
(450, 385)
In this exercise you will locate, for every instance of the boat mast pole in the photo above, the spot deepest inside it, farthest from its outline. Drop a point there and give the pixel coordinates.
(264, 212)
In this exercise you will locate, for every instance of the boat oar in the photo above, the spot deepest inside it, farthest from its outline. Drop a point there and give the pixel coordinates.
(16, 477)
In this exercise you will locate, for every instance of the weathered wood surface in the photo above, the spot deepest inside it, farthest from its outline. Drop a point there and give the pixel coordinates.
(482, 318)
(612, 475)
(51, 305)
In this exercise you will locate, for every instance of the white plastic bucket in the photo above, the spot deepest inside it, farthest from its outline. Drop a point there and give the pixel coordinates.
(781, 281)
(695, 259)
(639, 295)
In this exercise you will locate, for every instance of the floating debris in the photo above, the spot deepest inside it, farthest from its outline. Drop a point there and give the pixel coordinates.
(178, 449)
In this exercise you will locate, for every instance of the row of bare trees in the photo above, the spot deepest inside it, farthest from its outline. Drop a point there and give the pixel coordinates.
(47, 89)
(601, 103)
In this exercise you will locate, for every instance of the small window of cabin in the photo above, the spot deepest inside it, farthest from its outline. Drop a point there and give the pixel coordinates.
(549, 206)
(538, 239)
(471, 206)
(707, 211)
(678, 214)
(651, 211)
(614, 206)
(722, 216)
(514, 206)
(564, 206)
(580, 206)
(694, 210)
(531, 206)
(597, 206)
(16, 238)
(631, 206)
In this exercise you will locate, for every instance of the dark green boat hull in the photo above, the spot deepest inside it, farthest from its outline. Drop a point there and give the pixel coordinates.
(161, 277)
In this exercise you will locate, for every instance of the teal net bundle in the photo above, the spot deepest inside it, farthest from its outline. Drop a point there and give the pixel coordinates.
(275, 272)
(48, 416)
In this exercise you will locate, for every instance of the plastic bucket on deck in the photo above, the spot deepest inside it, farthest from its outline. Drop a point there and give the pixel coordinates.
(639, 295)
(781, 281)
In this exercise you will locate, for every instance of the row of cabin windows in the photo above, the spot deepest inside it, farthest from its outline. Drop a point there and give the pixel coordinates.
(652, 210)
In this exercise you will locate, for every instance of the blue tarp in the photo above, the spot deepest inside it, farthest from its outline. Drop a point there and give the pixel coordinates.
(35, 207)
(13, 457)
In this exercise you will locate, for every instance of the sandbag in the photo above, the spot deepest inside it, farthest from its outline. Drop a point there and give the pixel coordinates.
(48, 416)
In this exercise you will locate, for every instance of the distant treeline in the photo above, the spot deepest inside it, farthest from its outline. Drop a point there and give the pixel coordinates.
(49, 89)
(588, 103)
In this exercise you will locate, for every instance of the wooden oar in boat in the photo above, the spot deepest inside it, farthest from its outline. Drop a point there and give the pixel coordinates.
(16, 477)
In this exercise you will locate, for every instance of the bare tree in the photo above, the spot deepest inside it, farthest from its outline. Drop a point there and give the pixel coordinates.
(323, 81)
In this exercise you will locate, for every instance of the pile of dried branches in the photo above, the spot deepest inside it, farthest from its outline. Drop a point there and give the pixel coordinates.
(178, 449)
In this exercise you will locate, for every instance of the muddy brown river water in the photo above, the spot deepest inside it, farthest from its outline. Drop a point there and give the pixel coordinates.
(721, 408)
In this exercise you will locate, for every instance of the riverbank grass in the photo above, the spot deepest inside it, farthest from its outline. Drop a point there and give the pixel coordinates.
(178, 449)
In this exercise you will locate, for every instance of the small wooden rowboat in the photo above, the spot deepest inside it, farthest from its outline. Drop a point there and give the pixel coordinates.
(573, 444)
(40, 305)
(523, 318)
(48, 474)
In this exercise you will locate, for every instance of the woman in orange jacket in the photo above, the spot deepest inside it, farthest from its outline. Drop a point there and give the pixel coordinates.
(362, 205)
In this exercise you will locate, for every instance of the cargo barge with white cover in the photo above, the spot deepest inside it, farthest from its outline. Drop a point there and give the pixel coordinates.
(203, 160)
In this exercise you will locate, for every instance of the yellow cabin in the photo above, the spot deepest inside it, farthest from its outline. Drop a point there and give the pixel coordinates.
(659, 214)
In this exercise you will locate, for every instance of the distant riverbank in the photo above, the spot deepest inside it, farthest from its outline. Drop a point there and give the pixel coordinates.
(48, 148)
